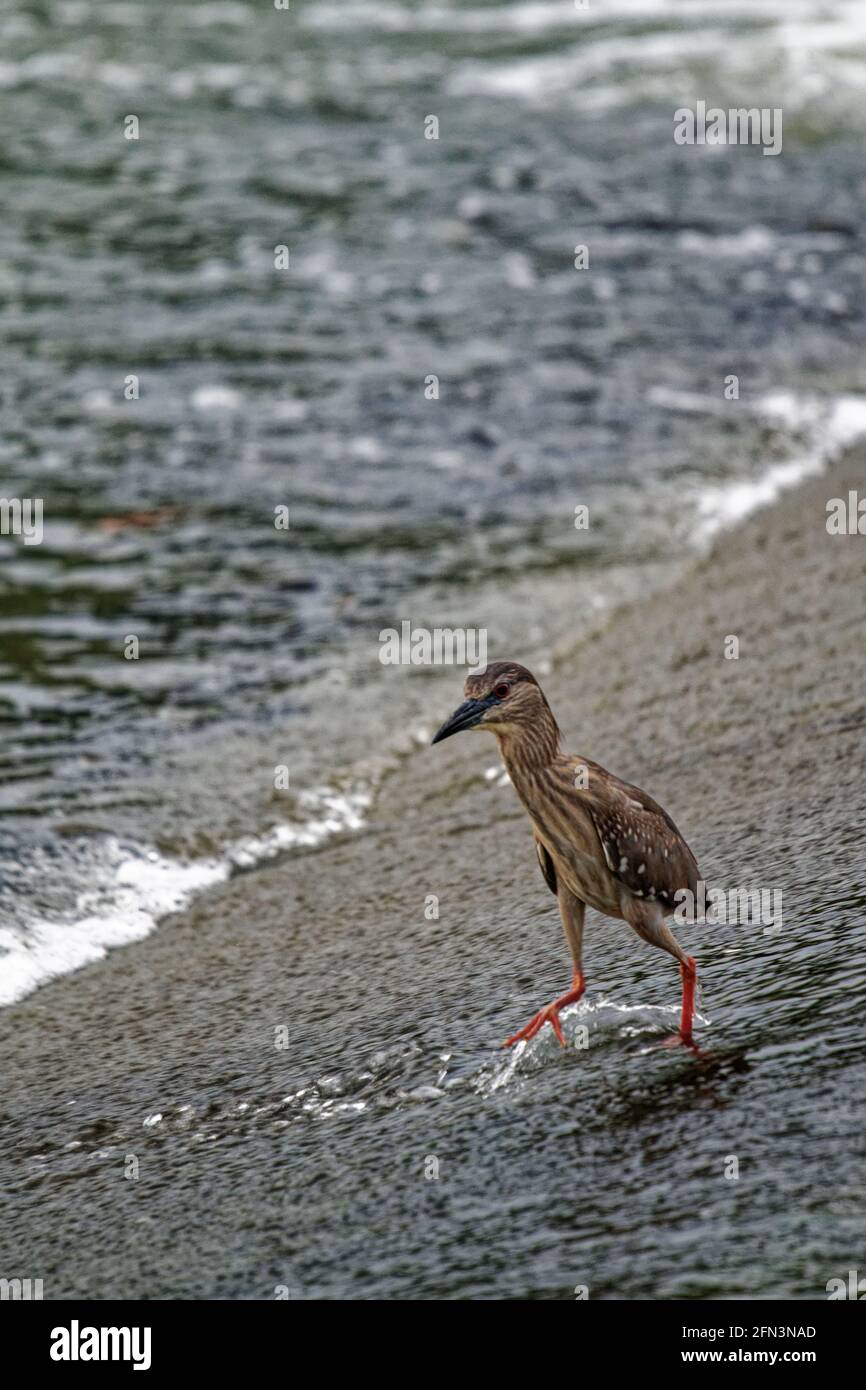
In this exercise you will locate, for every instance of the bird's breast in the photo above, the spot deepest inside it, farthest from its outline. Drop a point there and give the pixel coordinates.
(566, 830)
(579, 865)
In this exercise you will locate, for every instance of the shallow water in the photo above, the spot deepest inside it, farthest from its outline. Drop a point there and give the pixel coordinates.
(453, 1170)
(125, 788)
(297, 1087)
(305, 388)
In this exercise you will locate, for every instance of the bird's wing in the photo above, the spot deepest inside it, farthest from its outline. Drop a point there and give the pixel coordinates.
(546, 865)
(642, 847)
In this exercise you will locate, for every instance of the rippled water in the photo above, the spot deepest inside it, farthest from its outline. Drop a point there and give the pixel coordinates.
(427, 1171)
(126, 785)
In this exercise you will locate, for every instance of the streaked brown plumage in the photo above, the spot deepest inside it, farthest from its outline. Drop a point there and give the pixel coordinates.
(600, 842)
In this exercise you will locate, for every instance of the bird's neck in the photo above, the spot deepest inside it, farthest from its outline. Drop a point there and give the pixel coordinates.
(526, 751)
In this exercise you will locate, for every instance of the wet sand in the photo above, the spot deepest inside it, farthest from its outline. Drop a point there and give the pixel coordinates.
(303, 1167)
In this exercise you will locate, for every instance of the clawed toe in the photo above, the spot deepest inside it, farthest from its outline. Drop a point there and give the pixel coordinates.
(549, 1014)
(681, 1040)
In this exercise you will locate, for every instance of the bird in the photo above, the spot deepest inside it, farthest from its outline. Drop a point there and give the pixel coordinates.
(600, 842)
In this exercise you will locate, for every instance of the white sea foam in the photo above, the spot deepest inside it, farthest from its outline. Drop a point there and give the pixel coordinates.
(140, 887)
(143, 890)
(751, 243)
(215, 397)
(826, 427)
(815, 49)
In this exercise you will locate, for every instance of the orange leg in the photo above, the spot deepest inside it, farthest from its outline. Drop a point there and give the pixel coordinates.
(689, 973)
(550, 1013)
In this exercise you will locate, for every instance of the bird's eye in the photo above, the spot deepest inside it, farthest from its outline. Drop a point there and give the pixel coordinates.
(500, 691)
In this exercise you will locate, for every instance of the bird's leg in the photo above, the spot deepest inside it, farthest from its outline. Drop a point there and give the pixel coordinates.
(658, 934)
(572, 912)
(689, 972)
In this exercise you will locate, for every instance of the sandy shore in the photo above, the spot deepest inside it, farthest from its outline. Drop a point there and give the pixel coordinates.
(760, 762)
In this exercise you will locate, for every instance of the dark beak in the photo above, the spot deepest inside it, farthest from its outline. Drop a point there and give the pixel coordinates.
(466, 717)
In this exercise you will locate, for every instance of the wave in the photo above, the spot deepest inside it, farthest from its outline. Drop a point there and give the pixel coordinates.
(139, 887)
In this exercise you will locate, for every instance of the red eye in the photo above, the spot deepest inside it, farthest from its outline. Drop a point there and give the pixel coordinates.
(500, 691)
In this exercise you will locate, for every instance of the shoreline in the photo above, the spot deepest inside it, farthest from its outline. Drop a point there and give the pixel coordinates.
(135, 887)
(758, 762)
(145, 887)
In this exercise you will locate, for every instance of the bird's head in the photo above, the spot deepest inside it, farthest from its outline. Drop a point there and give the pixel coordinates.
(503, 698)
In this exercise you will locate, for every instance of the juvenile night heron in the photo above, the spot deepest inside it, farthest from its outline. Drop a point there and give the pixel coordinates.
(599, 841)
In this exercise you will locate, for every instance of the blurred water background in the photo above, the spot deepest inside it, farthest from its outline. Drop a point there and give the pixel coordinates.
(125, 786)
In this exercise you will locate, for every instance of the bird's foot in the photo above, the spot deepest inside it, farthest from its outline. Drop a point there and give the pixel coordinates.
(681, 1040)
(550, 1014)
